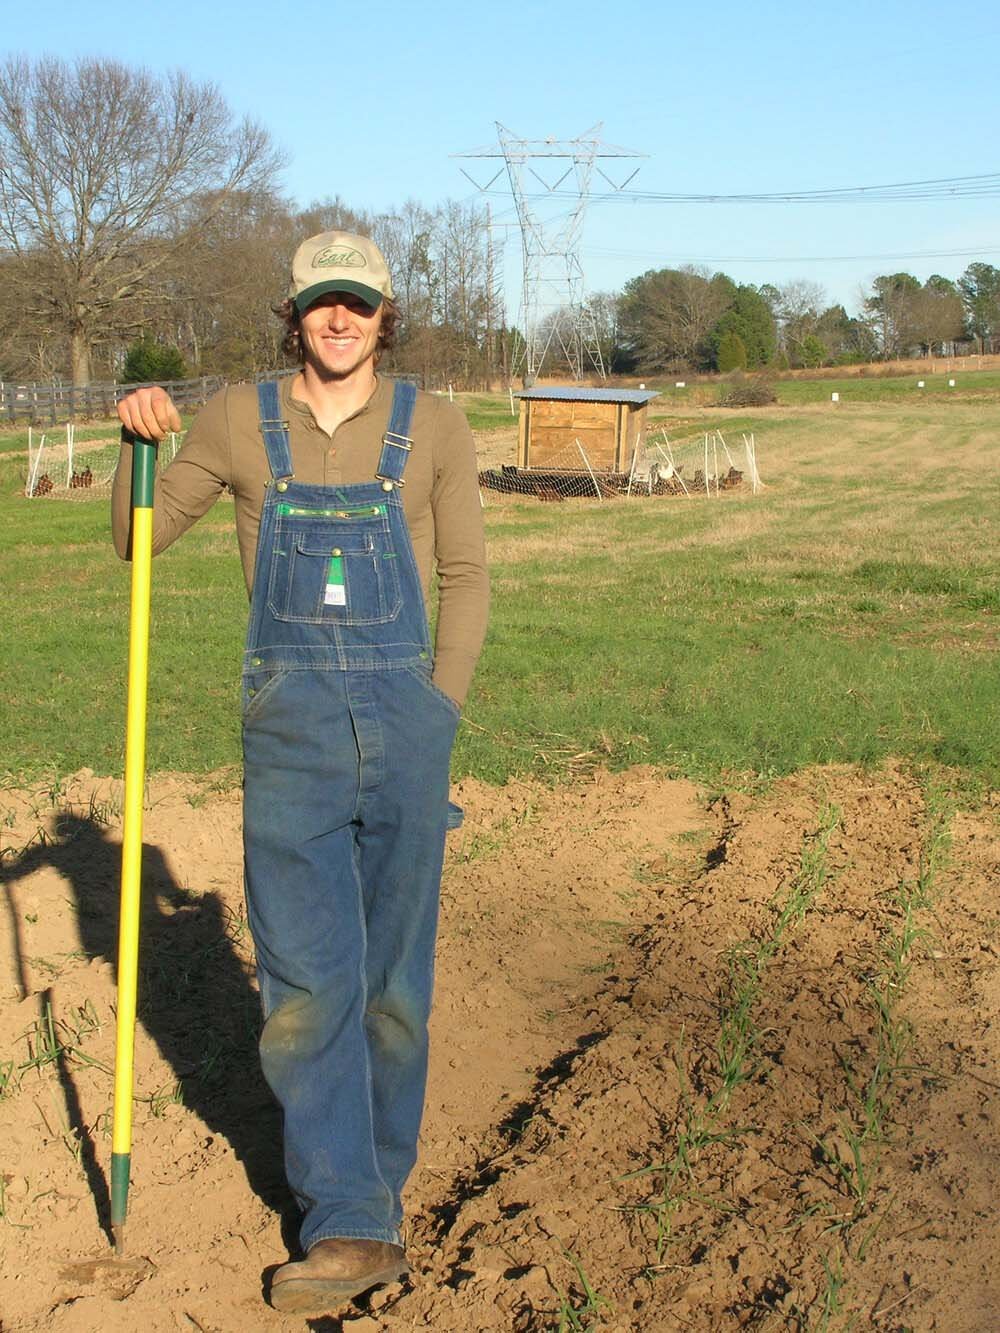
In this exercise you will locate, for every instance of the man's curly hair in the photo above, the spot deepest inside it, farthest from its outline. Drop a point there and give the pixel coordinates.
(291, 344)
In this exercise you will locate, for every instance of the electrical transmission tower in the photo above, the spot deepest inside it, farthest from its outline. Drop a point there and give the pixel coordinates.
(553, 309)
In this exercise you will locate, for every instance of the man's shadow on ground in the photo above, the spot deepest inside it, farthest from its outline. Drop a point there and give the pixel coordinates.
(195, 1000)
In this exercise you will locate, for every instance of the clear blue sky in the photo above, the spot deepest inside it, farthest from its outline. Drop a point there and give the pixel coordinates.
(369, 102)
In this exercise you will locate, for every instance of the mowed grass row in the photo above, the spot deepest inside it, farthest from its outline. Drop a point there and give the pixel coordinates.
(491, 411)
(969, 385)
(847, 613)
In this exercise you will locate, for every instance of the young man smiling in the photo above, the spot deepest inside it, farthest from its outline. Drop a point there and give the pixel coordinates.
(352, 496)
(339, 336)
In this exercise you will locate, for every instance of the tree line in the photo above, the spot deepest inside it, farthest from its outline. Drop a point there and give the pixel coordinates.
(142, 236)
(141, 230)
(690, 318)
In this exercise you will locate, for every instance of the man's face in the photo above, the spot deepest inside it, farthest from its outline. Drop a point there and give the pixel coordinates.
(339, 333)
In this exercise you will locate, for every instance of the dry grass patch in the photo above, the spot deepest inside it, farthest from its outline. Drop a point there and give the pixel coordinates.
(734, 528)
(494, 448)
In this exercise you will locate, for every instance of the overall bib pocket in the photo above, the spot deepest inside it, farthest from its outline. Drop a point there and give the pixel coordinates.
(334, 567)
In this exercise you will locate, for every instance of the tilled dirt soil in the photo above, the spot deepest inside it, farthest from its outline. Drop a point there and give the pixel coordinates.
(784, 1005)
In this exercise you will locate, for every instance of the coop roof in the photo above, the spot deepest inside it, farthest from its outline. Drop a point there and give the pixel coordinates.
(566, 394)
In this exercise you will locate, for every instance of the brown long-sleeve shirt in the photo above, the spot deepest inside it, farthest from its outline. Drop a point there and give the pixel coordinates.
(441, 502)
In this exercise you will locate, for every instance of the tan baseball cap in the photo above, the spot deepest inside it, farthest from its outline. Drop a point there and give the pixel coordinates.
(338, 261)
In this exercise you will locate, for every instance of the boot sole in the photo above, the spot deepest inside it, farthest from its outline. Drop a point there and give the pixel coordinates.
(321, 1295)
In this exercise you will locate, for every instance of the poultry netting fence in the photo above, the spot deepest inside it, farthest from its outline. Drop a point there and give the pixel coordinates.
(705, 466)
(61, 467)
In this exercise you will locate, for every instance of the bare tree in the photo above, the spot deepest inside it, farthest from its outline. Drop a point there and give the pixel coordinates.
(404, 237)
(461, 245)
(106, 172)
(438, 261)
(224, 289)
(603, 308)
(666, 315)
(799, 307)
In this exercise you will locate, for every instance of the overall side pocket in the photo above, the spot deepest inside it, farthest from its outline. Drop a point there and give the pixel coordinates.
(258, 687)
(425, 680)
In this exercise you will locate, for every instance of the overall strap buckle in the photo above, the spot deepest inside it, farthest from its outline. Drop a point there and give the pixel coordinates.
(274, 429)
(396, 442)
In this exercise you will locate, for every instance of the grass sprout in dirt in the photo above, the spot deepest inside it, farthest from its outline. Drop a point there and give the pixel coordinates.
(867, 1123)
(579, 1309)
(736, 1043)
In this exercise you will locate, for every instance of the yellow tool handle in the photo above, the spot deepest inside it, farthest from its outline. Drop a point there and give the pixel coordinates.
(135, 781)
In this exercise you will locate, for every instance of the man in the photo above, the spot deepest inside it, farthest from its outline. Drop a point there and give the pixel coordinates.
(344, 510)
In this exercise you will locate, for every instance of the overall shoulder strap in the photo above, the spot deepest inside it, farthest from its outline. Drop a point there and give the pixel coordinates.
(396, 442)
(274, 429)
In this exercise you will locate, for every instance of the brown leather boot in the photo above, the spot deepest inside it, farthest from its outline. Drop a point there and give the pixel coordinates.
(333, 1272)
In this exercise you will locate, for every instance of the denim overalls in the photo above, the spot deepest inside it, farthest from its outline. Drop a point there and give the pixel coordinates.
(346, 745)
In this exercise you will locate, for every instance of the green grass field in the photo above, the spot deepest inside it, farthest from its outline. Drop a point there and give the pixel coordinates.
(847, 613)
(487, 411)
(969, 385)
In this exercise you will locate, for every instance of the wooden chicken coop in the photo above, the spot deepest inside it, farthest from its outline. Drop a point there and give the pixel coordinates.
(607, 423)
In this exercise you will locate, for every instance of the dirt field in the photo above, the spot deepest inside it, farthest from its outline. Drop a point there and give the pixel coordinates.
(590, 947)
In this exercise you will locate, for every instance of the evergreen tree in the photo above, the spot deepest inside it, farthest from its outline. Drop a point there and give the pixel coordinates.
(732, 353)
(148, 362)
(813, 351)
(980, 289)
(846, 340)
(749, 316)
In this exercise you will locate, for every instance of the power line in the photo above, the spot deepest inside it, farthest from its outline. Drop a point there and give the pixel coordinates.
(973, 251)
(946, 187)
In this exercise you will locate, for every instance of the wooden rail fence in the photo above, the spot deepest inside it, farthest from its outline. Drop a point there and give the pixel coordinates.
(56, 402)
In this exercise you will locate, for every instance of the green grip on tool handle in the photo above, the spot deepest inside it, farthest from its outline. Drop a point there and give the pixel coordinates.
(120, 1170)
(143, 472)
